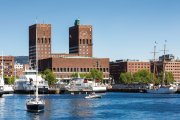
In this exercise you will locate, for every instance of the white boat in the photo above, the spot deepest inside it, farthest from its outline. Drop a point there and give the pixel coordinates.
(27, 83)
(162, 89)
(93, 95)
(2, 78)
(35, 104)
(8, 89)
(81, 84)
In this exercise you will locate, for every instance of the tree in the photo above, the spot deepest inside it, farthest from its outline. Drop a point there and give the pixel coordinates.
(143, 76)
(126, 78)
(49, 76)
(74, 75)
(168, 78)
(9, 80)
(96, 74)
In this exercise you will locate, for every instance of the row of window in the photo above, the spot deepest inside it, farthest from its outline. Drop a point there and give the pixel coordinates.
(139, 67)
(139, 64)
(78, 69)
(69, 76)
(44, 40)
(85, 41)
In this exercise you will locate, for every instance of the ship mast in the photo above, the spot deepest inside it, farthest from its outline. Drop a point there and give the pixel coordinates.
(2, 70)
(164, 64)
(154, 62)
(36, 94)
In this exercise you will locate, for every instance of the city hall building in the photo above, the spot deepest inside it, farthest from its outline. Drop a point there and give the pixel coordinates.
(80, 58)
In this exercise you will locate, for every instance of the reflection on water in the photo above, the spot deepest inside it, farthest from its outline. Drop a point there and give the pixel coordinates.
(80, 108)
(2, 107)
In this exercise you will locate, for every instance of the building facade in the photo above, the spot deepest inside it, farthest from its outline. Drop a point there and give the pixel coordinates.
(40, 41)
(65, 67)
(80, 39)
(19, 69)
(171, 65)
(121, 66)
(8, 62)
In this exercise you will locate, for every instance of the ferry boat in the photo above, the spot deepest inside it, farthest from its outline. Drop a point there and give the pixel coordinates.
(85, 85)
(27, 83)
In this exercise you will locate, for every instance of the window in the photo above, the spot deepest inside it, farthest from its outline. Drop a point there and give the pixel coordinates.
(80, 41)
(83, 41)
(87, 41)
(38, 40)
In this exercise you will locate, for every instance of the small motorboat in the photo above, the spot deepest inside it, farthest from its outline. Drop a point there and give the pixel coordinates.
(93, 95)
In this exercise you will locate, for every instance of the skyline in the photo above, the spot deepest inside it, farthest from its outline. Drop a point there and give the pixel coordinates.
(123, 29)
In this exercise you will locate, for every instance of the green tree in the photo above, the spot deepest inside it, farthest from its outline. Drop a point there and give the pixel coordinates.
(168, 78)
(126, 78)
(74, 75)
(96, 74)
(49, 76)
(143, 76)
(9, 80)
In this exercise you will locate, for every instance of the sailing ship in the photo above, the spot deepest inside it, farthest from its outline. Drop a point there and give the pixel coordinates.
(162, 89)
(2, 78)
(35, 104)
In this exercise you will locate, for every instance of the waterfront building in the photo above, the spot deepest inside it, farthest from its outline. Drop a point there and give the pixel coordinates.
(80, 39)
(19, 69)
(171, 65)
(64, 67)
(80, 58)
(40, 39)
(8, 65)
(121, 66)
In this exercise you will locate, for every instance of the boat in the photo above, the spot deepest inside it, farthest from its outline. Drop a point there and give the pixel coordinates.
(27, 83)
(83, 85)
(36, 104)
(8, 89)
(2, 78)
(93, 95)
(162, 89)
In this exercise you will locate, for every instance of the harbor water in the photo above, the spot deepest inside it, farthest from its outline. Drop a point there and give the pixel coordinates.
(112, 106)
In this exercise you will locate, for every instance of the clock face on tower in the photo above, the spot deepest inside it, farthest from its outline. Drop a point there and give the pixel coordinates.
(83, 34)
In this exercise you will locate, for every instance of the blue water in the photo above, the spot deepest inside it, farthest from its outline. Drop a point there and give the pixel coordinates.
(112, 106)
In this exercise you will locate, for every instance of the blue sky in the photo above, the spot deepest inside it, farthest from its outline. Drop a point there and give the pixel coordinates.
(122, 29)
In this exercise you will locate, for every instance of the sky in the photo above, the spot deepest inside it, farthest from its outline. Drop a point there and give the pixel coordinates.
(122, 29)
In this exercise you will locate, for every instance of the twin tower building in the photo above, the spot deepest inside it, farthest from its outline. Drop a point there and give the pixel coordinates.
(80, 58)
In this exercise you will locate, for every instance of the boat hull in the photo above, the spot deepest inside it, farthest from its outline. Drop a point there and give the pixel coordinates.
(162, 90)
(35, 106)
(1, 91)
(1, 94)
(40, 91)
